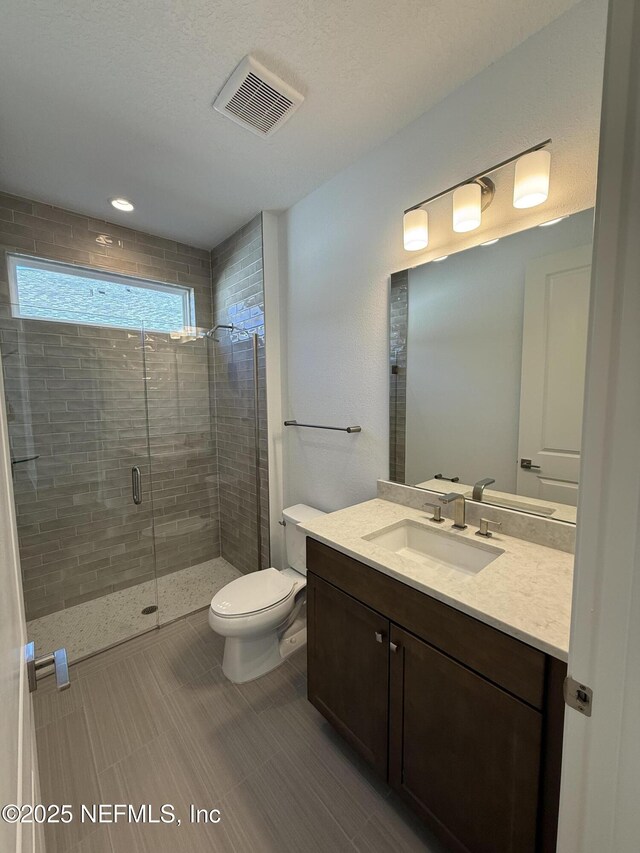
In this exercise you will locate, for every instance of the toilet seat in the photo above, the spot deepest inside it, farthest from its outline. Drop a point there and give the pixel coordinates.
(253, 593)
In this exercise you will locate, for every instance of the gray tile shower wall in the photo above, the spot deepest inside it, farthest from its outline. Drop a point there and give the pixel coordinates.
(76, 399)
(398, 327)
(238, 294)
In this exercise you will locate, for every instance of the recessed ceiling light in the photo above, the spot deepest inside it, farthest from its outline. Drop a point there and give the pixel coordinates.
(490, 242)
(121, 204)
(443, 258)
(551, 222)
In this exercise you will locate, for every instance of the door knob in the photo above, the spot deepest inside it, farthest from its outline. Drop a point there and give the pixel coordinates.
(526, 464)
(379, 636)
(58, 659)
(394, 647)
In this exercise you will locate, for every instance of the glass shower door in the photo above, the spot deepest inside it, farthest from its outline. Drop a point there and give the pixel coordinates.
(184, 464)
(77, 416)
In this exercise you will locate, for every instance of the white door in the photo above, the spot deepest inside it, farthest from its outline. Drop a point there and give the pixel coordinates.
(18, 763)
(554, 349)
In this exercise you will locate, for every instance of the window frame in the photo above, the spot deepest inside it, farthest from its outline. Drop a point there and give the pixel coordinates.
(15, 260)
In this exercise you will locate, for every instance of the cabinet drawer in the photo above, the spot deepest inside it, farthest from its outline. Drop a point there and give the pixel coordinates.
(511, 664)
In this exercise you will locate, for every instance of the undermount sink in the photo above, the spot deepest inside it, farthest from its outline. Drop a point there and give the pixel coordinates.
(435, 548)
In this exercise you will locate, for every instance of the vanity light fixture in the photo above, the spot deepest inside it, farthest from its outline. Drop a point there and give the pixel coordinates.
(490, 242)
(467, 208)
(472, 196)
(416, 229)
(531, 181)
(437, 260)
(121, 204)
(551, 222)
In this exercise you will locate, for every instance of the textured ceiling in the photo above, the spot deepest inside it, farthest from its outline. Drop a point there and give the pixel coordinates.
(102, 99)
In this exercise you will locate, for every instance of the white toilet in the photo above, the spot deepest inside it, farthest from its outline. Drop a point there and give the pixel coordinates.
(261, 614)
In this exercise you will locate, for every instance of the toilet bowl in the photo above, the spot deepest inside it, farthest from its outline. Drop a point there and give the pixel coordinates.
(262, 615)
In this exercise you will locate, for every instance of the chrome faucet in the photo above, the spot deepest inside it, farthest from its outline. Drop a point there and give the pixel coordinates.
(459, 506)
(478, 489)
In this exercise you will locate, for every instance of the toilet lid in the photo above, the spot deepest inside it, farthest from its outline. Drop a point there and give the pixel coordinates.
(251, 593)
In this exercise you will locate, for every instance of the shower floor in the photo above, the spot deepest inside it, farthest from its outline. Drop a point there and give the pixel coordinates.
(95, 625)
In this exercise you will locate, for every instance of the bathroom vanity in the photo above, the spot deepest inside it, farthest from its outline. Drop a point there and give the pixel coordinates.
(449, 683)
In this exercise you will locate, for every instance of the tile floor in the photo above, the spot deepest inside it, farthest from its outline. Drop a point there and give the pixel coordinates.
(154, 721)
(87, 628)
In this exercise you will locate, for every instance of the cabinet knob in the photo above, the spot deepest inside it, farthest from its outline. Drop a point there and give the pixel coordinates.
(379, 636)
(394, 647)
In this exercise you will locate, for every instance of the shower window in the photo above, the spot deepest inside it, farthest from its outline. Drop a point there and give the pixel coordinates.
(47, 290)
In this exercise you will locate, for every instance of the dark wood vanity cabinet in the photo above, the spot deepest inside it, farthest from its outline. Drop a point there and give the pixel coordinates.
(463, 721)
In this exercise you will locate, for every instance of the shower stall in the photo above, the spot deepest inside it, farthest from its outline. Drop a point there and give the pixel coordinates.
(139, 466)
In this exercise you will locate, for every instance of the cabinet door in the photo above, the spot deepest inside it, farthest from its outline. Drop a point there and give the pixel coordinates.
(462, 751)
(348, 668)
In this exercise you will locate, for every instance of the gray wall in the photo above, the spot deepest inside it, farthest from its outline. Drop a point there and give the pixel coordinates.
(238, 289)
(76, 397)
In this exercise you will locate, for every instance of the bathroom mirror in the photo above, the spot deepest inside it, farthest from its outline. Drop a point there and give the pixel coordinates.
(487, 351)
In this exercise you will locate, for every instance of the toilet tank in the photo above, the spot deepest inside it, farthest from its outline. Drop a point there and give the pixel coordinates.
(296, 538)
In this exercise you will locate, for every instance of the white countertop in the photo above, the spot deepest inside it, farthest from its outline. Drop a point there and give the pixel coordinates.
(525, 592)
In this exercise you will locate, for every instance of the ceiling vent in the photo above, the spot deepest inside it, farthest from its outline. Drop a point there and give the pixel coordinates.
(256, 99)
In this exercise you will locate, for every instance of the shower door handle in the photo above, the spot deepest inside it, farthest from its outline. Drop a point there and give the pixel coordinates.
(136, 485)
(57, 659)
